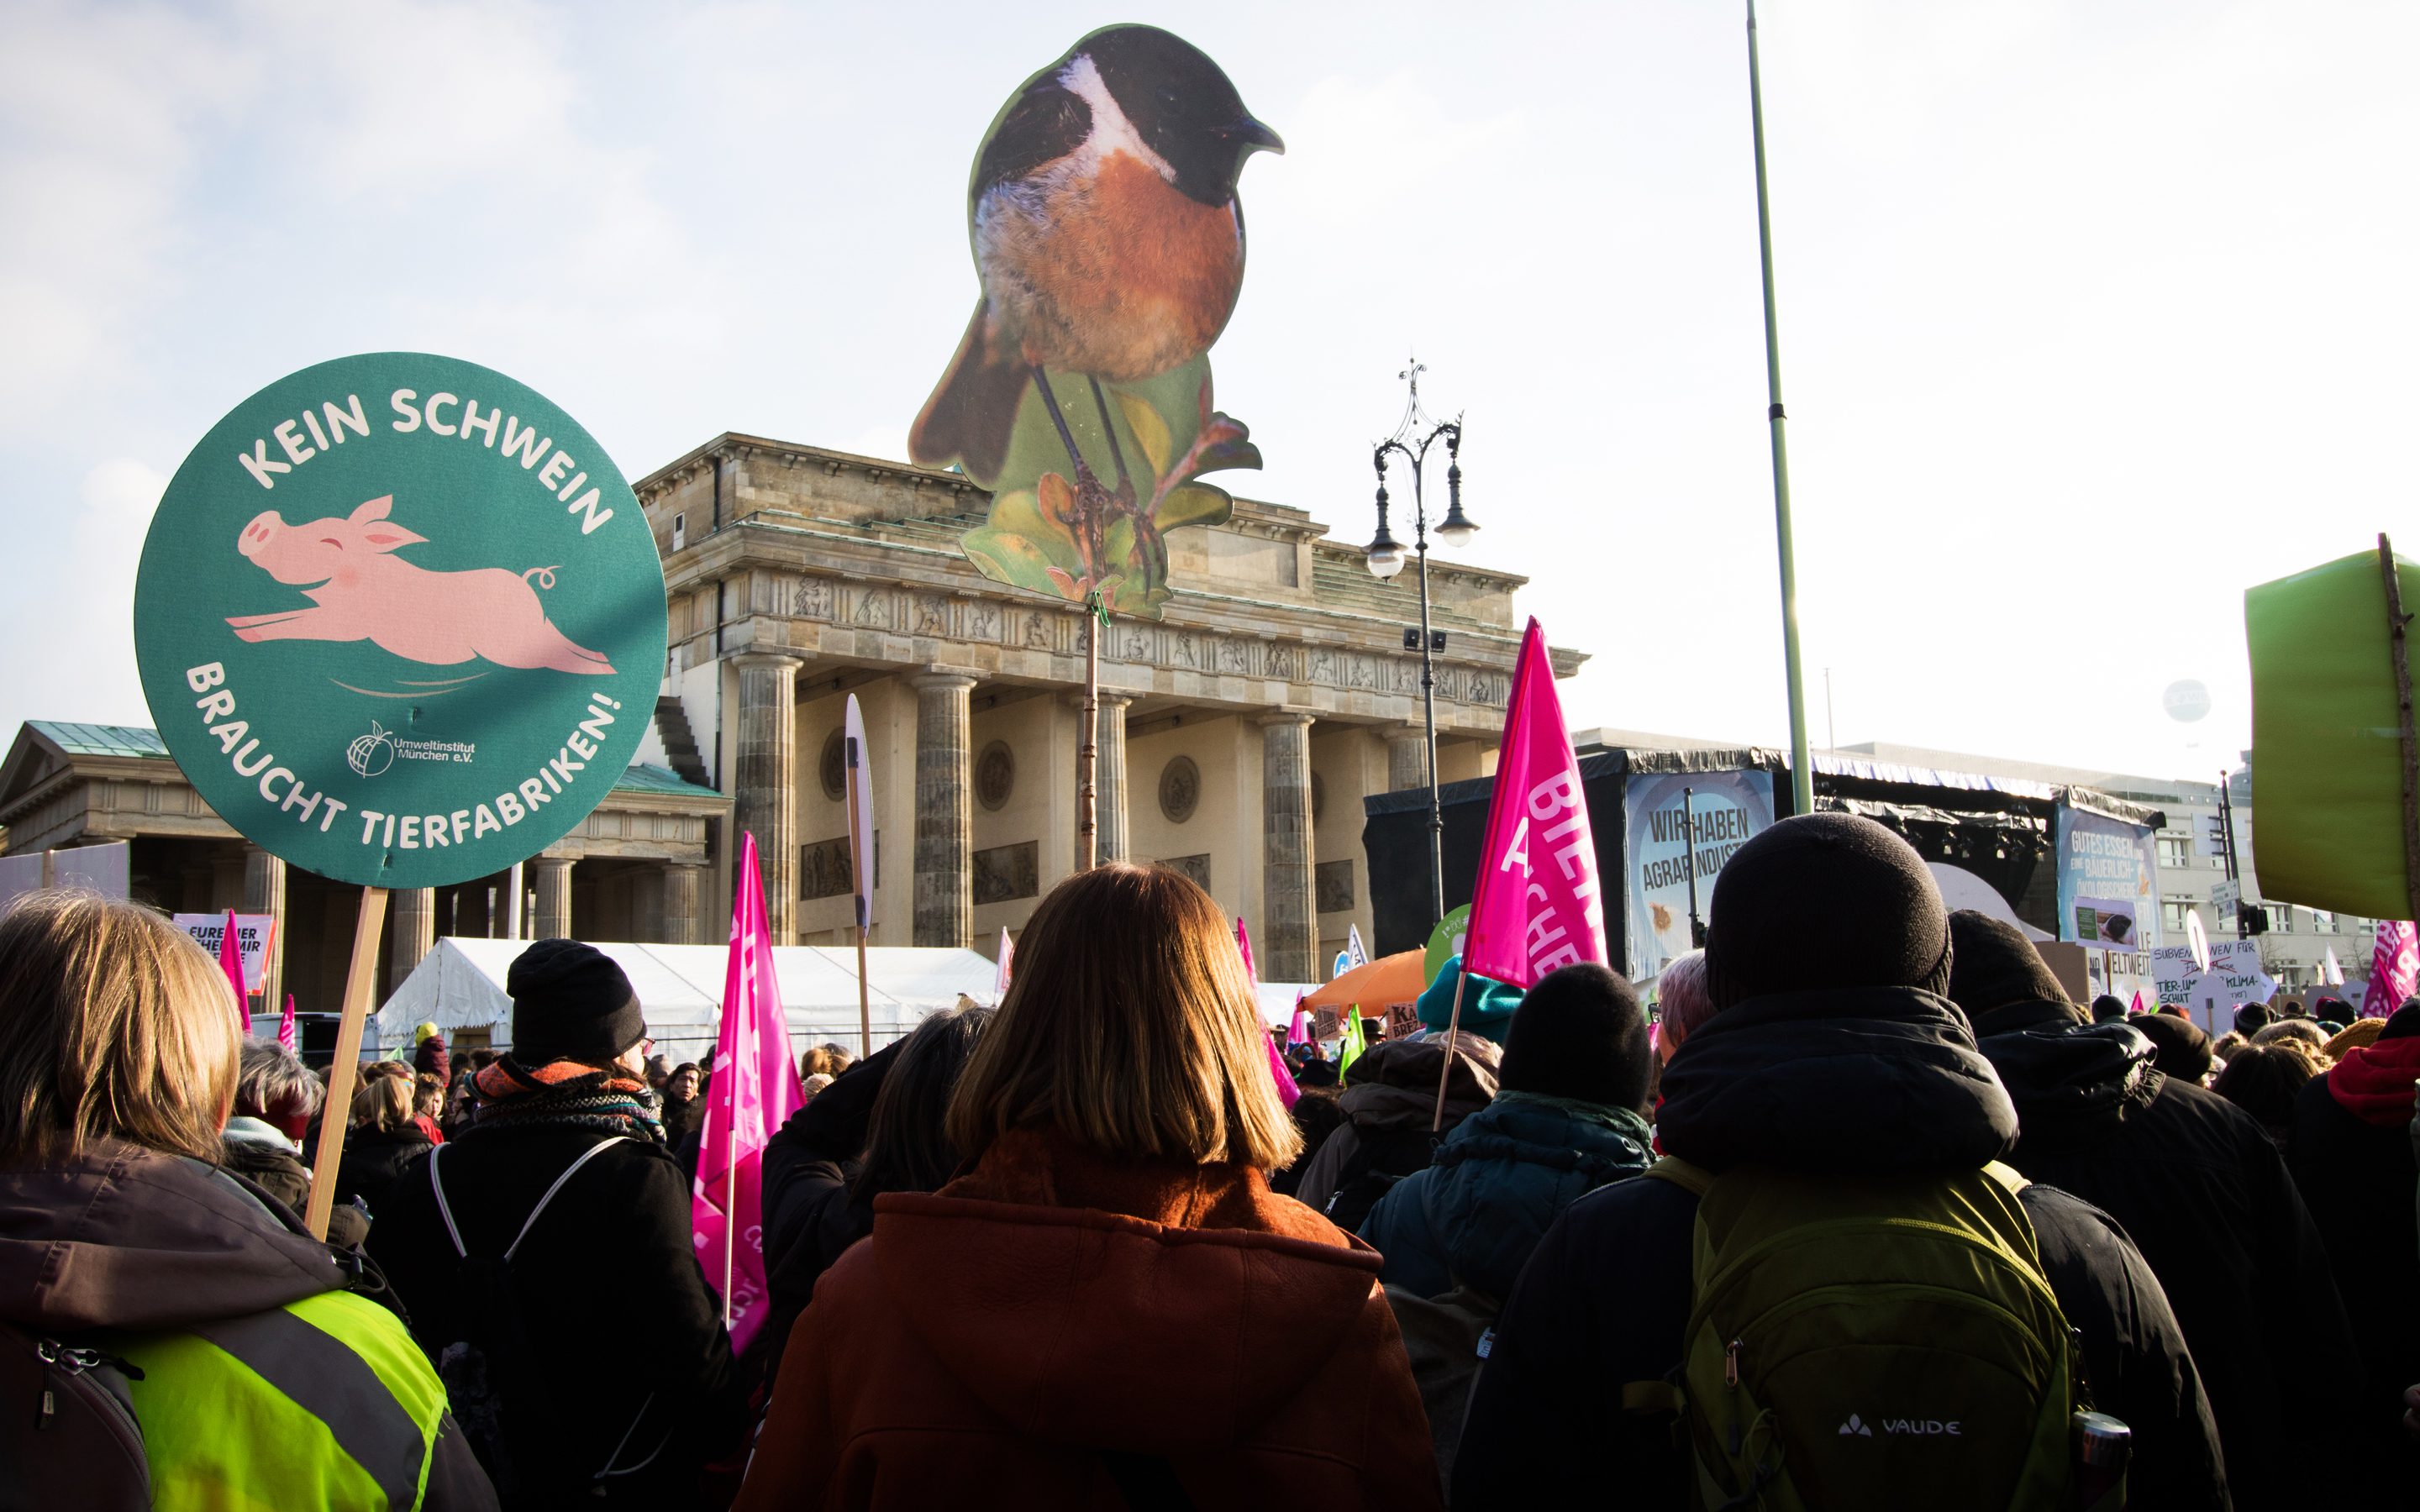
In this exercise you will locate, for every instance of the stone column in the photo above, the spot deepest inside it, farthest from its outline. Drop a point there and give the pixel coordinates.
(1287, 918)
(765, 800)
(411, 931)
(264, 892)
(1407, 757)
(552, 918)
(682, 890)
(1110, 779)
(945, 820)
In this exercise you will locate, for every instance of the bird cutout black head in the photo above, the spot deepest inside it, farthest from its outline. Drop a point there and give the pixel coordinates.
(1180, 104)
(1109, 240)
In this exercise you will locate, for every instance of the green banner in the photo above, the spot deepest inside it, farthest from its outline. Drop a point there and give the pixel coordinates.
(401, 620)
(2327, 785)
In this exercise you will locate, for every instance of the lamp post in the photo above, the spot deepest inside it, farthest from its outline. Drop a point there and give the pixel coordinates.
(1386, 559)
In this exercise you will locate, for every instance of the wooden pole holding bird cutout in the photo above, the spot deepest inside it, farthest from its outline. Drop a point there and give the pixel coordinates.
(861, 847)
(1089, 754)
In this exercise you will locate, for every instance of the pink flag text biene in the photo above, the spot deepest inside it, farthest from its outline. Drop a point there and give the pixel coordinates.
(754, 1092)
(1536, 904)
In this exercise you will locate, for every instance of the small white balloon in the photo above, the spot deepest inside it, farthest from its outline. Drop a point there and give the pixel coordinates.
(2186, 701)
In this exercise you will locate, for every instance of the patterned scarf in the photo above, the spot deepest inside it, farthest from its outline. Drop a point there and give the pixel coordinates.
(563, 1094)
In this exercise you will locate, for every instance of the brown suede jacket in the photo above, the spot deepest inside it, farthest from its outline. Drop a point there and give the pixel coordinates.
(1057, 1322)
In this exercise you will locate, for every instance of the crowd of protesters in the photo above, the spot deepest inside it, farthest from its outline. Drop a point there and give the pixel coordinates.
(1076, 1250)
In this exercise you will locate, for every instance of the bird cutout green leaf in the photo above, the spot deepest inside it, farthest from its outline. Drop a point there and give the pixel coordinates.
(1109, 242)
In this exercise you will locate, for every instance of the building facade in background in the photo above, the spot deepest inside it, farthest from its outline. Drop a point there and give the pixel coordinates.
(1238, 736)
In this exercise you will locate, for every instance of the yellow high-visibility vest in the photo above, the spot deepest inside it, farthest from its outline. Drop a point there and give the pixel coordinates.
(326, 1402)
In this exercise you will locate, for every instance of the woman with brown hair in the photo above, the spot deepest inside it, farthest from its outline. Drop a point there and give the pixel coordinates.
(144, 1287)
(1108, 1308)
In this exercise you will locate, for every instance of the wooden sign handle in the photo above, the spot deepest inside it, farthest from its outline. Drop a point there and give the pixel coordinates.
(360, 983)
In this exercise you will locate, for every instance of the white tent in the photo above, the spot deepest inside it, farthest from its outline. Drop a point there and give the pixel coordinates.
(460, 984)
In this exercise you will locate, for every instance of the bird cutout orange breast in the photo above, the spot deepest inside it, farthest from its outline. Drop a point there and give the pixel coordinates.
(1136, 280)
(1108, 244)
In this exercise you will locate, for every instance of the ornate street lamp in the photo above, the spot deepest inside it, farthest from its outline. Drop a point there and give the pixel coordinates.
(1386, 559)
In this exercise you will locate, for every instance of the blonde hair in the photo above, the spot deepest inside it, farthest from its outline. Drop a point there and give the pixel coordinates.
(382, 1102)
(114, 1025)
(1130, 1026)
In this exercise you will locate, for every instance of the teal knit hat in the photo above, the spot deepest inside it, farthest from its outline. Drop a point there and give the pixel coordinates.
(1488, 1004)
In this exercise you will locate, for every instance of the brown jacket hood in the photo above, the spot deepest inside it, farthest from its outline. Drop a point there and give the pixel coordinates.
(123, 1237)
(1394, 1082)
(1154, 1308)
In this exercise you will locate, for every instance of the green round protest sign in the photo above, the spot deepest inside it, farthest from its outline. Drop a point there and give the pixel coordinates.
(1445, 942)
(401, 620)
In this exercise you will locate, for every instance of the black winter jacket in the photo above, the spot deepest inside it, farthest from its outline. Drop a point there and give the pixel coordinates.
(2358, 1178)
(2203, 1193)
(1877, 1081)
(619, 1319)
(373, 1160)
(811, 1215)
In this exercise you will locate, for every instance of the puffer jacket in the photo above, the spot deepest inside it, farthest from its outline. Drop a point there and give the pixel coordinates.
(1390, 1102)
(1498, 1182)
(2205, 1193)
(1869, 1081)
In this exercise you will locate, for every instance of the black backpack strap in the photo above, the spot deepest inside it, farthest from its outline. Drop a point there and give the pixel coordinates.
(1148, 1482)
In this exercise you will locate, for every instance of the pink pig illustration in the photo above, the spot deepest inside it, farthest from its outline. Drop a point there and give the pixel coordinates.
(366, 592)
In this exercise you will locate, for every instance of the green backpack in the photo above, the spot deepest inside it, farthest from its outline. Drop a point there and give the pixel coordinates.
(1867, 1342)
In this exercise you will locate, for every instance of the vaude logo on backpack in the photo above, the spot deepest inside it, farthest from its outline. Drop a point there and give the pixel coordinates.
(1860, 1342)
(1898, 1424)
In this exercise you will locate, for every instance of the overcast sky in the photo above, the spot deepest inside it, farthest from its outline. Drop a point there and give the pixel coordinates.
(2091, 315)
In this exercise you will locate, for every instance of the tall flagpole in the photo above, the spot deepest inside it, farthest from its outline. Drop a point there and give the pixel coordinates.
(1802, 771)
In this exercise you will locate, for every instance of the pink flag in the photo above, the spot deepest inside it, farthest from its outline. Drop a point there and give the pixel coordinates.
(2393, 971)
(231, 961)
(2137, 1007)
(754, 1090)
(285, 1027)
(1535, 905)
(1243, 943)
(1288, 1093)
(1000, 982)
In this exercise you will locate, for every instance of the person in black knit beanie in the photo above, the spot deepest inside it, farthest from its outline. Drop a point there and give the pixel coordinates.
(1825, 900)
(1579, 1034)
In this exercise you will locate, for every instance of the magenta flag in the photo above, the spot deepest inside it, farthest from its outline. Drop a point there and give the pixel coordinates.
(285, 1027)
(999, 977)
(2393, 971)
(2137, 1007)
(1288, 1093)
(231, 961)
(1535, 905)
(754, 1090)
(1243, 943)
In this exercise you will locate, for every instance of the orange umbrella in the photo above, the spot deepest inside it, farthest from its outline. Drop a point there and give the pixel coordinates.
(1390, 979)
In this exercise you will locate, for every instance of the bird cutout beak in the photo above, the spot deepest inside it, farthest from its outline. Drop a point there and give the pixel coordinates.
(1252, 136)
